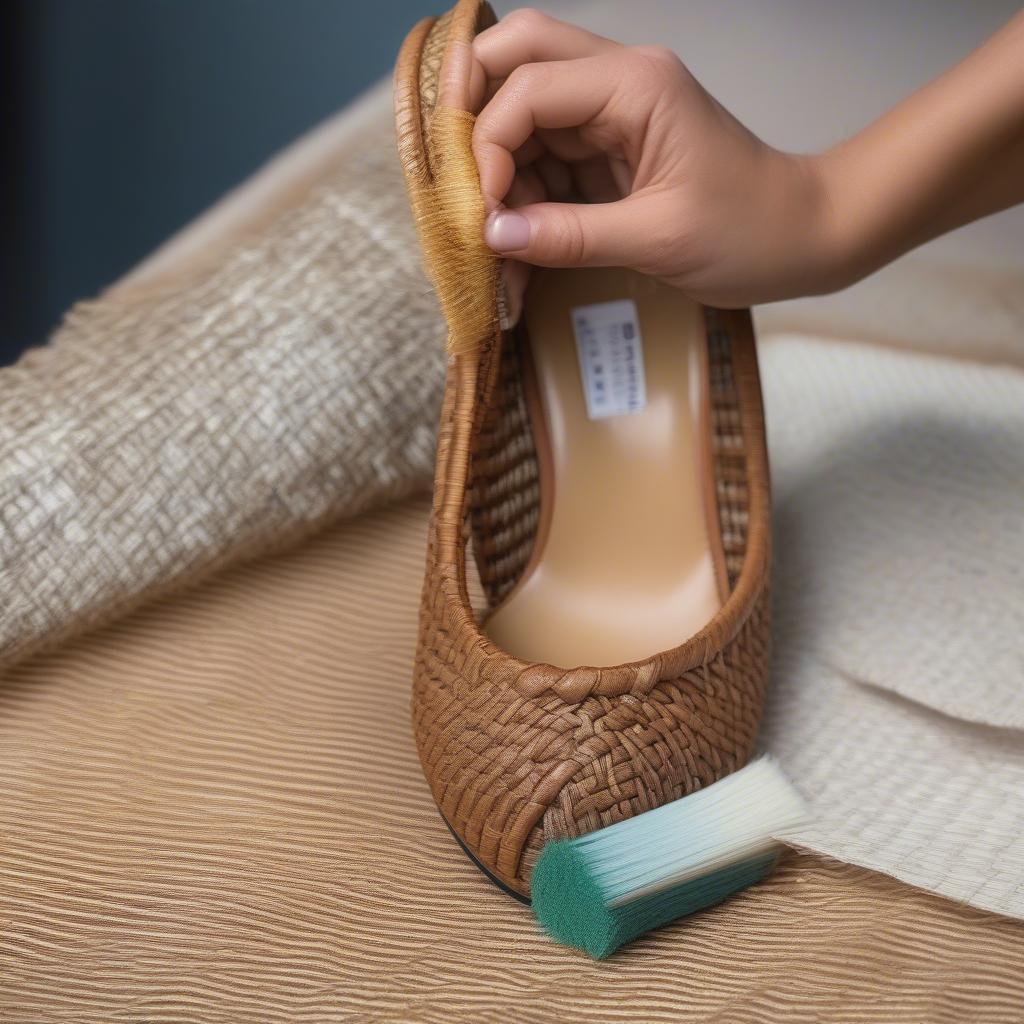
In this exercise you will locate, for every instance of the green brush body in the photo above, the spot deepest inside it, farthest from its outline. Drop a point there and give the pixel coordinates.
(607, 888)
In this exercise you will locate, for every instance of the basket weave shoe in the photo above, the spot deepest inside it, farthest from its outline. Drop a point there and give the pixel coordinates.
(604, 466)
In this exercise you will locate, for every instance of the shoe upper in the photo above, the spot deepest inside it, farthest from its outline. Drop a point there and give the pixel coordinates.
(518, 753)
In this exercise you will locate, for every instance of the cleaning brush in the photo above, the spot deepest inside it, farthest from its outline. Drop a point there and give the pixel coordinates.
(606, 888)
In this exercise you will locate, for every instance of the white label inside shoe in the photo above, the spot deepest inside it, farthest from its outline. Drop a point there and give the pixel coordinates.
(611, 354)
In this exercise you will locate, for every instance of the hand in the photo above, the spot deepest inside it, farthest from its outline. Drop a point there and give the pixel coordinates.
(596, 154)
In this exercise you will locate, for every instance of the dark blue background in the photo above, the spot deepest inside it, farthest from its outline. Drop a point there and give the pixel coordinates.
(126, 118)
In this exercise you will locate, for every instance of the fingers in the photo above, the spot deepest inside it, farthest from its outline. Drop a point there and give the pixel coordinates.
(556, 176)
(461, 80)
(568, 115)
(528, 188)
(565, 94)
(528, 37)
(618, 234)
(596, 181)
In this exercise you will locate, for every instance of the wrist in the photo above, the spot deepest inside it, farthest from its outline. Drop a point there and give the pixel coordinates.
(839, 239)
(869, 208)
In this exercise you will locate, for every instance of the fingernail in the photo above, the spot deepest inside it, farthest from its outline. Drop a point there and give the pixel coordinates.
(507, 231)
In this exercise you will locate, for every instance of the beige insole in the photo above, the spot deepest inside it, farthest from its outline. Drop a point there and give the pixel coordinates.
(625, 563)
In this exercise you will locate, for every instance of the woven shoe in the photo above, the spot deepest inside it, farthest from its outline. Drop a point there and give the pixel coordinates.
(605, 466)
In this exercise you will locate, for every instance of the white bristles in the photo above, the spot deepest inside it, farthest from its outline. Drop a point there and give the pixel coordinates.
(734, 820)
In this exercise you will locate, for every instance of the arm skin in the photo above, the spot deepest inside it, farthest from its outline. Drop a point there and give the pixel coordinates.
(949, 154)
(596, 154)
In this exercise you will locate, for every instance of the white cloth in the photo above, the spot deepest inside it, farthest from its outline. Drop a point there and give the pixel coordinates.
(897, 700)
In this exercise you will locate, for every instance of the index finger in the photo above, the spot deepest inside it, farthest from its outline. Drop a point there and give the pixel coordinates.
(527, 37)
(564, 94)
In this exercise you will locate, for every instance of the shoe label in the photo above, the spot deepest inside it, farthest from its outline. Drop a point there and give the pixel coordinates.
(611, 354)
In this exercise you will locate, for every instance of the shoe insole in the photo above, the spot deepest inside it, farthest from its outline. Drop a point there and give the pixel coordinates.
(627, 559)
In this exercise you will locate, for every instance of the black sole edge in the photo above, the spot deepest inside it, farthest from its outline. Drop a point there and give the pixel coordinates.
(525, 900)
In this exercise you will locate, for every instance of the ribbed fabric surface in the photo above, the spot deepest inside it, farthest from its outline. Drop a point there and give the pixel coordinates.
(212, 812)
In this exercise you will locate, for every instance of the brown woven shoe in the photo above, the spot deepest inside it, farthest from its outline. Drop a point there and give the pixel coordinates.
(654, 557)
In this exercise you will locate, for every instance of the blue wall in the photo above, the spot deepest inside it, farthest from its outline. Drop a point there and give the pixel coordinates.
(132, 116)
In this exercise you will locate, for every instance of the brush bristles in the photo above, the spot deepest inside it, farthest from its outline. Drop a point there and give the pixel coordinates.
(606, 888)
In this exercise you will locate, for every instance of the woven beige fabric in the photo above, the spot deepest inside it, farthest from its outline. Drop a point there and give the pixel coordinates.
(212, 812)
(896, 699)
(170, 430)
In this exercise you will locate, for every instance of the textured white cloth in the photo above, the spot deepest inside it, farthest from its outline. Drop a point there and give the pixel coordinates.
(897, 701)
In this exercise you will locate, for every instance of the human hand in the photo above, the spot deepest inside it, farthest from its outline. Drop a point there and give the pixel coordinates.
(592, 153)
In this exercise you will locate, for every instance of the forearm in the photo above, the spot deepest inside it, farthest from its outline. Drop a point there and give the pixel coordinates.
(947, 155)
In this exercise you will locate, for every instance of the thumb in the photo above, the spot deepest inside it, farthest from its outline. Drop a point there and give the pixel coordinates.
(572, 235)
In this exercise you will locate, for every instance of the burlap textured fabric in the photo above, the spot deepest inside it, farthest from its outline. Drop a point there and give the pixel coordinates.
(213, 812)
(168, 430)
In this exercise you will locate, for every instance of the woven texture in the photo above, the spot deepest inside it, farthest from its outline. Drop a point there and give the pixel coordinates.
(518, 753)
(165, 433)
(212, 812)
(897, 700)
(504, 504)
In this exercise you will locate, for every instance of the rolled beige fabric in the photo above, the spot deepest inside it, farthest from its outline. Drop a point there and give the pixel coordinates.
(224, 402)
